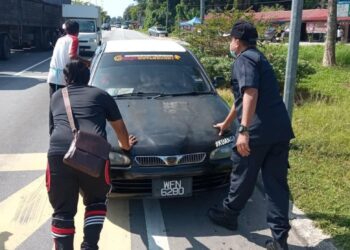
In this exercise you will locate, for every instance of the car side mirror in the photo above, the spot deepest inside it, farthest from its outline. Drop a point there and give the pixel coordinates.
(218, 81)
(98, 29)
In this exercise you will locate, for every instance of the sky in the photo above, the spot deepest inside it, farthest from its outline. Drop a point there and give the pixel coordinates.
(114, 8)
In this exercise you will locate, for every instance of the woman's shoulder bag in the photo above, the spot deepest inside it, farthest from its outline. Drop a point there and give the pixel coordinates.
(88, 152)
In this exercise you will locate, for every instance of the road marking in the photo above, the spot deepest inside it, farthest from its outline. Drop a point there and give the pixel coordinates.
(24, 212)
(25, 76)
(29, 68)
(28, 209)
(116, 228)
(156, 232)
(23, 162)
(79, 224)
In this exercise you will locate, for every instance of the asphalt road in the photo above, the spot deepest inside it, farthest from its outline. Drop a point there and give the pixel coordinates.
(131, 224)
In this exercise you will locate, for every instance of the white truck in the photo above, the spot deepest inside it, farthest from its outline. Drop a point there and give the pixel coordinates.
(89, 20)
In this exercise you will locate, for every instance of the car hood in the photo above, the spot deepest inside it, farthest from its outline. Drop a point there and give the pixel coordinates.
(172, 125)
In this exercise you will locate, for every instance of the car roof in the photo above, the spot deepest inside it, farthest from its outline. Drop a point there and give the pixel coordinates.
(143, 45)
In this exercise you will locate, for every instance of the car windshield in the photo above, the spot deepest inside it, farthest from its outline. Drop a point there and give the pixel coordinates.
(160, 29)
(149, 73)
(86, 26)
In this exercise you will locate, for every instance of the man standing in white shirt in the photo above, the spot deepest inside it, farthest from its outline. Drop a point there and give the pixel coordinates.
(340, 34)
(65, 50)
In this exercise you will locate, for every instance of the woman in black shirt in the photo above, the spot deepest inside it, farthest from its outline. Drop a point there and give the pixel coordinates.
(91, 108)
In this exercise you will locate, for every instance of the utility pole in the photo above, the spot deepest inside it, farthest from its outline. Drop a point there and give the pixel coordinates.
(292, 59)
(291, 68)
(202, 10)
(167, 15)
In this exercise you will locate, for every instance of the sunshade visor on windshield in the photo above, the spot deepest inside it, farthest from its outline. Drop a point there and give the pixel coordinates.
(121, 58)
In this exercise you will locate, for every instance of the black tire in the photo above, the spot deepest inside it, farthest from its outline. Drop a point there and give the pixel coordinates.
(5, 47)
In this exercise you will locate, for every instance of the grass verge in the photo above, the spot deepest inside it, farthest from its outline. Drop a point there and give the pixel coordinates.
(320, 155)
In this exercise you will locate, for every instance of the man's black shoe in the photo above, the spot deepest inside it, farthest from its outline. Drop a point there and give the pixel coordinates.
(221, 218)
(275, 245)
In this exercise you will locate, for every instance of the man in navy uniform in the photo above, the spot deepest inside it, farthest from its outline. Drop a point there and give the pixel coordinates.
(262, 140)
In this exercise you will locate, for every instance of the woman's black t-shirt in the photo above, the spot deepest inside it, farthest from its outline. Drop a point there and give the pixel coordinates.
(91, 108)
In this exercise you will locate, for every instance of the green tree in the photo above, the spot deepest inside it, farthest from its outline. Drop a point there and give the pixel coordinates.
(207, 39)
(329, 50)
(259, 4)
(155, 13)
(184, 11)
(313, 4)
(131, 13)
(276, 7)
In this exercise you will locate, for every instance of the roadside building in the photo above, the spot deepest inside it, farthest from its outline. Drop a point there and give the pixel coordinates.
(314, 23)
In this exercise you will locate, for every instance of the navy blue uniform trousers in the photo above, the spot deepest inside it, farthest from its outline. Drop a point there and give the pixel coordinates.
(272, 160)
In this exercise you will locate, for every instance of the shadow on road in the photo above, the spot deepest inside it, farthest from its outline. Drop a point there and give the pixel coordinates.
(186, 220)
(262, 238)
(18, 83)
(4, 236)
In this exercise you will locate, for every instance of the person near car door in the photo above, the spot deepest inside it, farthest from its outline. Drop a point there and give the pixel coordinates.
(262, 140)
(91, 108)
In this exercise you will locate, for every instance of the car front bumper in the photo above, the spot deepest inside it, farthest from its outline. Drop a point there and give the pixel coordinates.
(136, 181)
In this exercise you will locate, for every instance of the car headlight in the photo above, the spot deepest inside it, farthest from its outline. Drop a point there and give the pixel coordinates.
(119, 159)
(222, 152)
(93, 40)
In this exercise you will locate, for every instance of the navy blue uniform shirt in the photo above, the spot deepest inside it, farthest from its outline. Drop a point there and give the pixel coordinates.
(270, 123)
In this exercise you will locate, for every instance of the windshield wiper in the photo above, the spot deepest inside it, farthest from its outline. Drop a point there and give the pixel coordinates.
(137, 94)
(194, 93)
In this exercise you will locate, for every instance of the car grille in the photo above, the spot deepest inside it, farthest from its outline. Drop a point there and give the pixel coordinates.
(157, 161)
(144, 186)
(84, 47)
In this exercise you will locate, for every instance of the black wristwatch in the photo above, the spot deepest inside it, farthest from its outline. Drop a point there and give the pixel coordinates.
(243, 129)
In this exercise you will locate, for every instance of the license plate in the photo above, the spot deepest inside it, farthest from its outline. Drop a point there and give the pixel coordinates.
(175, 187)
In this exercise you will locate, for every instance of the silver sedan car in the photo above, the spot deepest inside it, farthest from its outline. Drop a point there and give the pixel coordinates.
(157, 31)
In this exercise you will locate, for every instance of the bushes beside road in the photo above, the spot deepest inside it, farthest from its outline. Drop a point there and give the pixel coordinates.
(221, 66)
